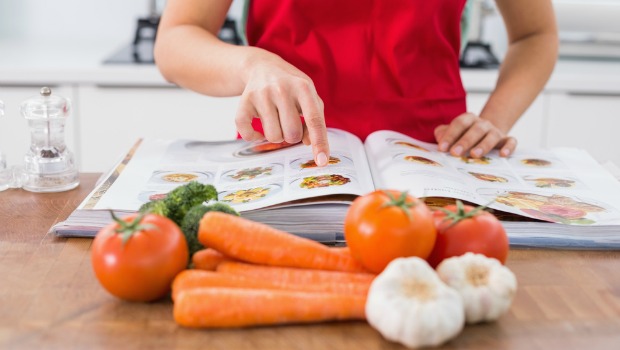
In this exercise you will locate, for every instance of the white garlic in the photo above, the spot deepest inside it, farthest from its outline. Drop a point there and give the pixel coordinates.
(409, 304)
(486, 286)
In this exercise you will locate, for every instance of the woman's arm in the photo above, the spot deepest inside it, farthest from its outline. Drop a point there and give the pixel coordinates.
(529, 61)
(189, 54)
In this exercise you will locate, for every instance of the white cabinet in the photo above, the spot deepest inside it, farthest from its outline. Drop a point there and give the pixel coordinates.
(14, 131)
(112, 118)
(529, 130)
(588, 121)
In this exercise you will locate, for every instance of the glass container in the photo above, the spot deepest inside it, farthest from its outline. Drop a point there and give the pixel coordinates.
(48, 165)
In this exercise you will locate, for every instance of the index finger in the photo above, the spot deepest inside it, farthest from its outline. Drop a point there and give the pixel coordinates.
(315, 122)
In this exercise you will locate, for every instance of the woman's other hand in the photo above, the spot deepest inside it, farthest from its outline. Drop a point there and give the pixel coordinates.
(469, 135)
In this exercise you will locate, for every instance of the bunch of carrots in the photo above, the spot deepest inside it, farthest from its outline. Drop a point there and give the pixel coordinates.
(252, 274)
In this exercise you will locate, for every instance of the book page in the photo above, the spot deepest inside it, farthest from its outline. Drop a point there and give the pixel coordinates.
(247, 176)
(558, 185)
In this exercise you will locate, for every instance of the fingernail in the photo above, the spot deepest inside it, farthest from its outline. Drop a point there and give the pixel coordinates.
(443, 146)
(505, 152)
(477, 152)
(321, 159)
(457, 150)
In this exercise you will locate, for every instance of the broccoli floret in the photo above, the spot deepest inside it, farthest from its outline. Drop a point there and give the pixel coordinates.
(155, 207)
(191, 222)
(180, 200)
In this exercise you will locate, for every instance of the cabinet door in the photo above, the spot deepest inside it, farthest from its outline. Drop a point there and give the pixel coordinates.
(14, 130)
(587, 121)
(112, 119)
(529, 129)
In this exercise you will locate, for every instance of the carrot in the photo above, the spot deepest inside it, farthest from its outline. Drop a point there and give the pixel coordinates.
(342, 250)
(290, 275)
(258, 243)
(208, 259)
(235, 307)
(189, 279)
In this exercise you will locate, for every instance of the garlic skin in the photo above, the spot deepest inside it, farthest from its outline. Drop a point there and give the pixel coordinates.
(486, 286)
(409, 304)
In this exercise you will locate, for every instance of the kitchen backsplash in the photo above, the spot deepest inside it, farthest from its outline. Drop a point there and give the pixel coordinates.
(75, 20)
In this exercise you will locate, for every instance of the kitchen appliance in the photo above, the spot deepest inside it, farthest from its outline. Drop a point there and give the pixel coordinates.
(48, 165)
(588, 29)
(140, 51)
(477, 53)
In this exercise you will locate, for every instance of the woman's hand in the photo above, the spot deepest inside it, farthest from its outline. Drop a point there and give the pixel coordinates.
(279, 94)
(469, 134)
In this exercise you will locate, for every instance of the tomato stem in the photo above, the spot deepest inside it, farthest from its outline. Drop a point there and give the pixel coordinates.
(400, 202)
(461, 214)
(128, 229)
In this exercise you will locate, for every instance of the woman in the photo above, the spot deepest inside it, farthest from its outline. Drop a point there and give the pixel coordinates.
(358, 65)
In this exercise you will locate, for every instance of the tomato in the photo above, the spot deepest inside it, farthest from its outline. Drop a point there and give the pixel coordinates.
(467, 229)
(139, 262)
(384, 225)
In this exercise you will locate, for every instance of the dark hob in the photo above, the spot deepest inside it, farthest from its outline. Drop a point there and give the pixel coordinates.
(478, 55)
(140, 51)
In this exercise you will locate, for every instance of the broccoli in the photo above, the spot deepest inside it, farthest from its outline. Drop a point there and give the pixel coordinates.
(191, 222)
(155, 207)
(180, 200)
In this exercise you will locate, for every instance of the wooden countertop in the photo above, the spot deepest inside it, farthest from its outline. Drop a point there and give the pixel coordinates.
(49, 298)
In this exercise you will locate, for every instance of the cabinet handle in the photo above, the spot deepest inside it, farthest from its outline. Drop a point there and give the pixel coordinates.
(136, 86)
(594, 94)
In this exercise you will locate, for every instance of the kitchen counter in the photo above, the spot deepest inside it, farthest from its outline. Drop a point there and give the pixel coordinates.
(51, 299)
(40, 63)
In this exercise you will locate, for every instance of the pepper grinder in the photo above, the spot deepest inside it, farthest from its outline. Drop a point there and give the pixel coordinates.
(48, 165)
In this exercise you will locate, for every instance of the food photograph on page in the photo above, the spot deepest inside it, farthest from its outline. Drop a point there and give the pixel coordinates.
(247, 195)
(417, 160)
(321, 181)
(409, 145)
(307, 163)
(251, 173)
(553, 207)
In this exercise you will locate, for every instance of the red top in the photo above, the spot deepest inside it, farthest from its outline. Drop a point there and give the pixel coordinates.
(377, 64)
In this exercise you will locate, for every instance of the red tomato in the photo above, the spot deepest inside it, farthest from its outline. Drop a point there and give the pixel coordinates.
(384, 225)
(480, 232)
(141, 268)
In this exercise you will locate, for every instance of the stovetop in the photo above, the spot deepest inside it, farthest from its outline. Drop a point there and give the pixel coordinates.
(140, 51)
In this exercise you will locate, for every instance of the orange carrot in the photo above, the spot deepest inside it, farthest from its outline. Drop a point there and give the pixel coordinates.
(208, 259)
(258, 243)
(343, 250)
(235, 307)
(189, 279)
(292, 275)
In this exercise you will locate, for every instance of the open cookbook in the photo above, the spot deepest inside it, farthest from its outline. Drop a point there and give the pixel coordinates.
(559, 198)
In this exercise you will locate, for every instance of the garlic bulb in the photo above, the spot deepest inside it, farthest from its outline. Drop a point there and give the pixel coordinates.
(486, 286)
(409, 304)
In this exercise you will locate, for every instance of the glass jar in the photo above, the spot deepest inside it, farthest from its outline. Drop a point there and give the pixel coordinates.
(48, 165)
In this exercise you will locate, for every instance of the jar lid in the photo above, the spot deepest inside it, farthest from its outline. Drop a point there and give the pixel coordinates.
(45, 106)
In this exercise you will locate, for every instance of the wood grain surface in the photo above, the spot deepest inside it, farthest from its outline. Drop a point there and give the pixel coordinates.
(50, 299)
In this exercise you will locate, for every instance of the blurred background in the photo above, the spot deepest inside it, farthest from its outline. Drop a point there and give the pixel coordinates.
(99, 54)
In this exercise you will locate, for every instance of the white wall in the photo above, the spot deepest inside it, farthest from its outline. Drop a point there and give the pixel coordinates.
(76, 20)
(60, 20)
